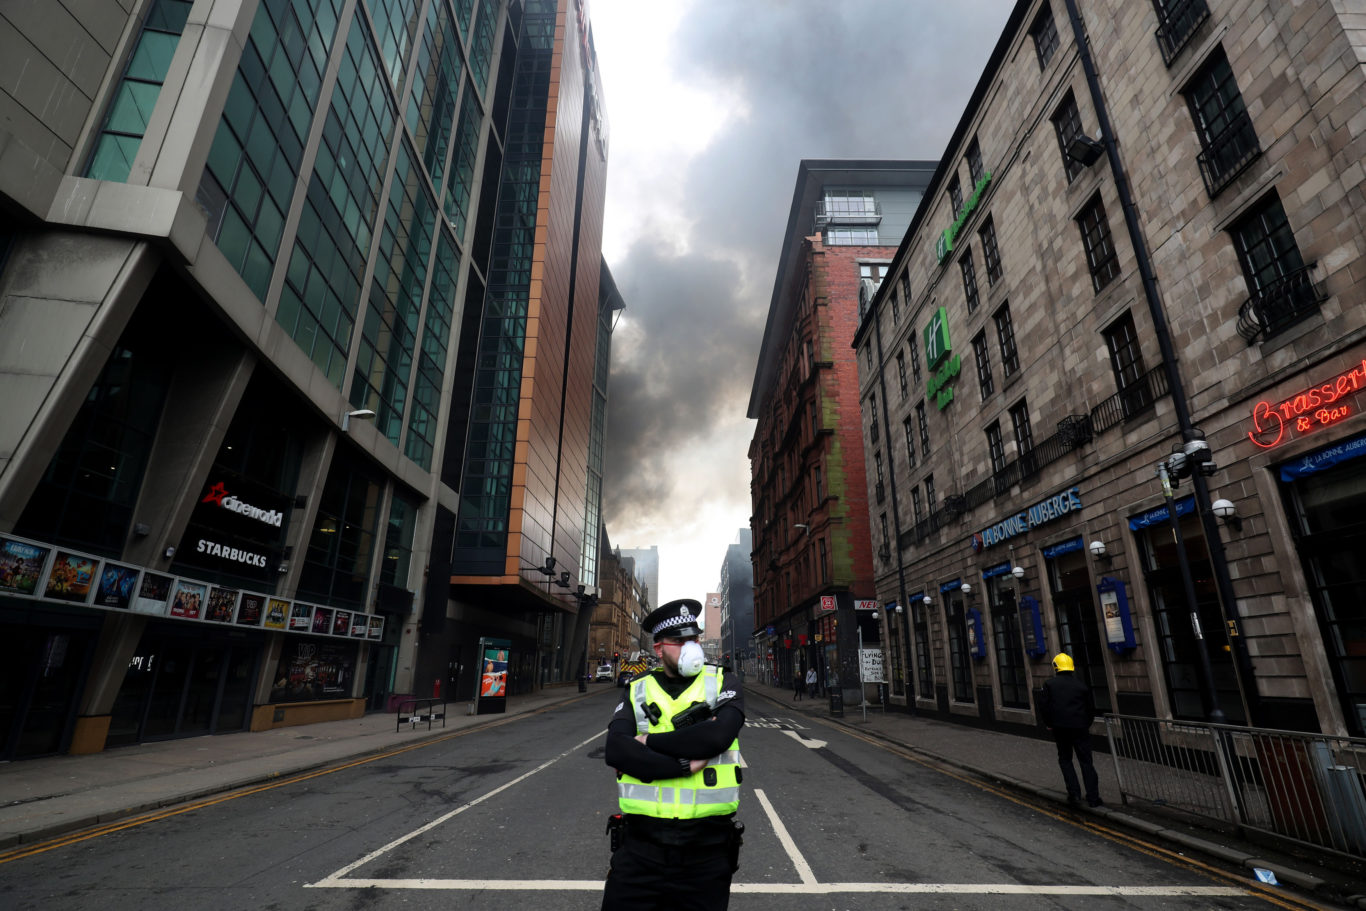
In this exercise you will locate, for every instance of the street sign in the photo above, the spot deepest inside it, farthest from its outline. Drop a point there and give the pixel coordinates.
(870, 663)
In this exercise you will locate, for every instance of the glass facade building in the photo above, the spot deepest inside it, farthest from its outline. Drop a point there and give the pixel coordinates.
(319, 355)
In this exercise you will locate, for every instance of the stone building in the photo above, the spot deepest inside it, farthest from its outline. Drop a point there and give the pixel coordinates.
(811, 555)
(1142, 255)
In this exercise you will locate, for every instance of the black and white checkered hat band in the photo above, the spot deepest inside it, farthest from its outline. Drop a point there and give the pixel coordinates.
(684, 620)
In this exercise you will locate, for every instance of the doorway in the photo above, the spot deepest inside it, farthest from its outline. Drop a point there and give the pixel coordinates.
(181, 686)
(42, 671)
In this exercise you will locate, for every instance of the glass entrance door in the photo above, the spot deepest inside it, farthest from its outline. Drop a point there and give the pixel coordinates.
(1078, 631)
(176, 687)
(41, 671)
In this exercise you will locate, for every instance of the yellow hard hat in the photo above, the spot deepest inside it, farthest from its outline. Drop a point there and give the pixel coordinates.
(1063, 662)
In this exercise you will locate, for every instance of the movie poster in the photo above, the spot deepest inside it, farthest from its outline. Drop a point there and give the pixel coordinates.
(376, 628)
(71, 577)
(322, 620)
(360, 625)
(277, 614)
(117, 584)
(310, 669)
(300, 618)
(188, 601)
(249, 610)
(222, 604)
(341, 623)
(20, 566)
(153, 592)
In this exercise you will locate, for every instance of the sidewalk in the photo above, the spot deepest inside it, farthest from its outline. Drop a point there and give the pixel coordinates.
(44, 798)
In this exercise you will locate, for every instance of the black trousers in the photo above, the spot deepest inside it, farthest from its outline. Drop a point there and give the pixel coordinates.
(1077, 741)
(649, 877)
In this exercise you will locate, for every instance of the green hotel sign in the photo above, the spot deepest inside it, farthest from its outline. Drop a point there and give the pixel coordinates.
(939, 356)
(944, 246)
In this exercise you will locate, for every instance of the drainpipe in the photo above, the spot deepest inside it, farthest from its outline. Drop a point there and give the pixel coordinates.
(1242, 663)
(896, 517)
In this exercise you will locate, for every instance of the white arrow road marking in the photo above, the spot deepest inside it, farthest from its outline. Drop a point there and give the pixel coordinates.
(809, 744)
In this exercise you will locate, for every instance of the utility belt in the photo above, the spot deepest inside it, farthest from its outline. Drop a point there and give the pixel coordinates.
(663, 842)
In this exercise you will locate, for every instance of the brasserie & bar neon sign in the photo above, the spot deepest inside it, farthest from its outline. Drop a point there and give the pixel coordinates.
(1318, 406)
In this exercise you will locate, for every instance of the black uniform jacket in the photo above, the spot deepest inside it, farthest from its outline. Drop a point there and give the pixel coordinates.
(1066, 703)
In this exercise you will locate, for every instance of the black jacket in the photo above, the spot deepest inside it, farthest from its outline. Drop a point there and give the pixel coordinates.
(1066, 703)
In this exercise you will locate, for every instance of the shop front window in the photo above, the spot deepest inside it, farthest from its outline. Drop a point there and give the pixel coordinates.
(1327, 509)
(959, 664)
(1005, 628)
(1069, 582)
(924, 668)
(1178, 644)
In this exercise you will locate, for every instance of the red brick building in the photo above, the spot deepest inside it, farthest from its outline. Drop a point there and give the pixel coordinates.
(813, 543)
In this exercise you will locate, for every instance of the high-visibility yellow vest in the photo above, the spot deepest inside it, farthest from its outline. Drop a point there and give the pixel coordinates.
(689, 796)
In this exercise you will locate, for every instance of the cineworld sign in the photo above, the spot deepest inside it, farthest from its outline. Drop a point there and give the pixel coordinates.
(1041, 513)
(218, 495)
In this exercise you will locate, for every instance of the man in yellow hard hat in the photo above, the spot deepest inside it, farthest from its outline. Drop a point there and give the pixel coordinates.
(1067, 708)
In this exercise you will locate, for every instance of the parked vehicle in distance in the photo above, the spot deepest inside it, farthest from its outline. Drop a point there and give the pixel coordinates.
(604, 672)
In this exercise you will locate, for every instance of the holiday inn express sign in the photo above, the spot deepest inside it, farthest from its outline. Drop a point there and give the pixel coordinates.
(944, 246)
(943, 364)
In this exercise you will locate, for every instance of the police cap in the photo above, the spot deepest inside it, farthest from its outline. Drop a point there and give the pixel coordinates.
(681, 618)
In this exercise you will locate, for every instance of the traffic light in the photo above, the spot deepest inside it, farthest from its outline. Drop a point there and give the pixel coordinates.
(616, 655)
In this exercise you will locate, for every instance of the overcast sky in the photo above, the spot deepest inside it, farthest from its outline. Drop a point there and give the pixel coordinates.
(711, 105)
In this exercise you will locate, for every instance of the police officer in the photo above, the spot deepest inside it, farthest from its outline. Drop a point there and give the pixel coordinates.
(1067, 708)
(673, 743)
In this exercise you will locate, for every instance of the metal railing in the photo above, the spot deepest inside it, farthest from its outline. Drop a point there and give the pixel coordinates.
(1228, 154)
(1305, 788)
(1279, 305)
(416, 711)
(1179, 19)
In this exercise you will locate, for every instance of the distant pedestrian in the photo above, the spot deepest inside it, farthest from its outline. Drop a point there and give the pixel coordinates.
(1067, 709)
(798, 684)
(811, 681)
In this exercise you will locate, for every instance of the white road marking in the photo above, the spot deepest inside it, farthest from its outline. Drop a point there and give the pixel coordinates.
(809, 744)
(803, 868)
(813, 888)
(808, 885)
(332, 880)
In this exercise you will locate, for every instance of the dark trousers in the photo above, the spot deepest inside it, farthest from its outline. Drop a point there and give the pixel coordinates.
(648, 877)
(1078, 741)
(797, 687)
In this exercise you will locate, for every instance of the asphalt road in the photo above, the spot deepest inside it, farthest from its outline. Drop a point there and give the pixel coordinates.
(512, 817)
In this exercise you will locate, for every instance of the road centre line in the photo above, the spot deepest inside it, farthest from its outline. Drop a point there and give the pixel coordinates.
(332, 879)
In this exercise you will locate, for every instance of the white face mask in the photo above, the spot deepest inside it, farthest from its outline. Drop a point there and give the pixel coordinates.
(691, 658)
